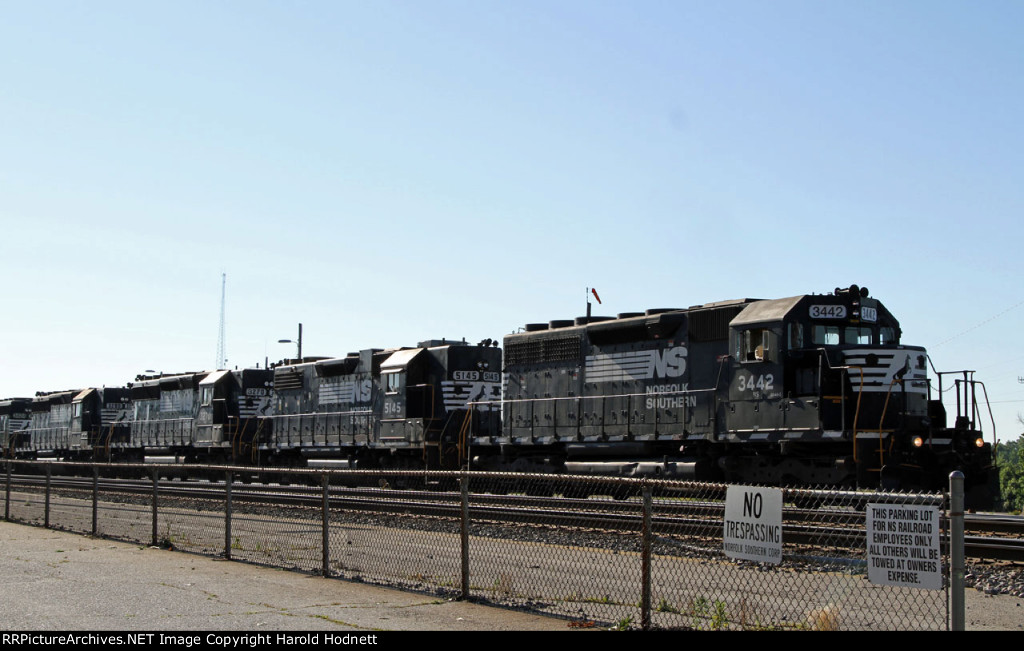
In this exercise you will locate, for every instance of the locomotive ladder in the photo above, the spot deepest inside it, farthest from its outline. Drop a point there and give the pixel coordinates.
(880, 440)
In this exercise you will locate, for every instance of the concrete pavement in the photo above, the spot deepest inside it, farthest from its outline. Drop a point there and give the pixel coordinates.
(59, 581)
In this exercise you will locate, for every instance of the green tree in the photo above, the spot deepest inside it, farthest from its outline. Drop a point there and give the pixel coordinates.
(1011, 473)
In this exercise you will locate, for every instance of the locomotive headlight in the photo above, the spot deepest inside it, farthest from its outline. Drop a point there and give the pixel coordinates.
(918, 441)
(979, 442)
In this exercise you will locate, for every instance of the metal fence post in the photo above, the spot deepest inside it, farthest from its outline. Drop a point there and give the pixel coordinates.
(326, 525)
(956, 561)
(156, 479)
(46, 497)
(7, 493)
(95, 499)
(645, 563)
(464, 486)
(227, 514)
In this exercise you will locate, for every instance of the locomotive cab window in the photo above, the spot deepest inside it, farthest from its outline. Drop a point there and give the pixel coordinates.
(887, 335)
(393, 382)
(858, 335)
(754, 345)
(795, 335)
(826, 335)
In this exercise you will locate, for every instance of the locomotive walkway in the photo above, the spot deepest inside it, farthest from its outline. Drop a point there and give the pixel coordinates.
(59, 581)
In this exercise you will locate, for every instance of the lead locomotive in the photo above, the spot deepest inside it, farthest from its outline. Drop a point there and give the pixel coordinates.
(806, 390)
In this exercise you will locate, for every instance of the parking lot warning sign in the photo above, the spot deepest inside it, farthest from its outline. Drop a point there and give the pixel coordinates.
(903, 546)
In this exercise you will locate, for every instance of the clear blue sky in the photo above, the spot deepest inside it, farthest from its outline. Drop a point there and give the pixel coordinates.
(386, 172)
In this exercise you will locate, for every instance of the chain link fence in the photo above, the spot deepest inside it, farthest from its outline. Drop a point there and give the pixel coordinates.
(607, 553)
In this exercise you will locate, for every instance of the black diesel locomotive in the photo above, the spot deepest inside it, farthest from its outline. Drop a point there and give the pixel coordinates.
(399, 408)
(807, 390)
(403, 408)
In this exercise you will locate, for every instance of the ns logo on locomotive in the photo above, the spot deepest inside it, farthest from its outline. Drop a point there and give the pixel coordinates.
(813, 389)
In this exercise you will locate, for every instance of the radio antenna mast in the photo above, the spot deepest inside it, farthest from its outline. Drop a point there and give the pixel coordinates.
(591, 290)
(222, 361)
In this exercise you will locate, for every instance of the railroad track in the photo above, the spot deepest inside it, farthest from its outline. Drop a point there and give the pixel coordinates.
(987, 536)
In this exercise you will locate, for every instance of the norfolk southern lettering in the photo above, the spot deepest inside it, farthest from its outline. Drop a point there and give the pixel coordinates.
(668, 396)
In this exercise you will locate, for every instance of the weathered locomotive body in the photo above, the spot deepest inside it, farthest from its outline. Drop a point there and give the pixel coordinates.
(325, 406)
(62, 423)
(50, 428)
(197, 417)
(807, 390)
(163, 416)
(233, 412)
(15, 417)
(402, 408)
(393, 408)
(100, 420)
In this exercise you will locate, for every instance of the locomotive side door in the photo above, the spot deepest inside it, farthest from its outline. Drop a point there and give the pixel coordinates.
(756, 392)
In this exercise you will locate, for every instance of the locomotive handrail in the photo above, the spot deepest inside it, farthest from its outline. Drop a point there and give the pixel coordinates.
(106, 441)
(988, 404)
(235, 434)
(463, 438)
(856, 410)
(255, 448)
(885, 407)
(969, 381)
(162, 431)
(938, 373)
(532, 402)
(354, 418)
(431, 420)
(351, 412)
(610, 395)
(860, 393)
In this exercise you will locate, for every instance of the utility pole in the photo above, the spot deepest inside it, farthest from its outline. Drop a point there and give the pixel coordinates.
(222, 361)
(299, 342)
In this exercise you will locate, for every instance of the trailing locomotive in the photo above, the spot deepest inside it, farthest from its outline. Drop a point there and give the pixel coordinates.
(397, 408)
(401, 408)
(194, 417)
(806, 390)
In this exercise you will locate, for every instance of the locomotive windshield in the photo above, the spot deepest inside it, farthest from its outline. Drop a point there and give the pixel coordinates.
(838, 334)
(844, 319)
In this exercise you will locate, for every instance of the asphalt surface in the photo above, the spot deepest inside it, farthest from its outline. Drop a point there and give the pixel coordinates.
(60, 581)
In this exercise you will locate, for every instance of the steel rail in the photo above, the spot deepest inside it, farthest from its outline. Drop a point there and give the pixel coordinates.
(989, 537)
